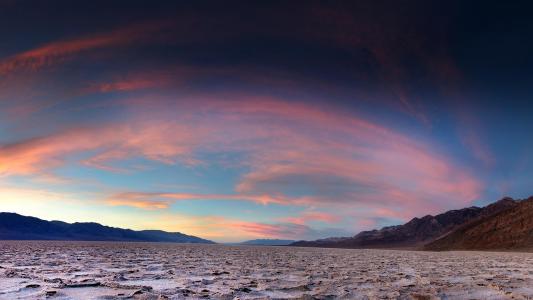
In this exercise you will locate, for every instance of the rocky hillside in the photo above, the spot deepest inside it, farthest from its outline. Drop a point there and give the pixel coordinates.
(415, 233)
(17, 227)
(506, 230)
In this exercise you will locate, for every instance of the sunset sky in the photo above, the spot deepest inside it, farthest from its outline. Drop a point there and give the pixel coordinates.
(267, 119)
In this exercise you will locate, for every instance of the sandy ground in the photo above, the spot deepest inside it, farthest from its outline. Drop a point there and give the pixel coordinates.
(91, 270)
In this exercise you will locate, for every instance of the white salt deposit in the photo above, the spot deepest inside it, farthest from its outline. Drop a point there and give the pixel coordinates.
(92, 270)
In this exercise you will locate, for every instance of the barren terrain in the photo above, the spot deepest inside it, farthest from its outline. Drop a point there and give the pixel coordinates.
(91, 270)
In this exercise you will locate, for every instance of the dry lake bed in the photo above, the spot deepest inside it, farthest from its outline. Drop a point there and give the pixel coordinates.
(92, 270)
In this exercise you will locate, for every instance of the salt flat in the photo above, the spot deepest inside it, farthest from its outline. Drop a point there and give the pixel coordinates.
(92, 270)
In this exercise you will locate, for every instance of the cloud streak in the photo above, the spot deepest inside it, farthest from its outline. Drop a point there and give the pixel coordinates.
(229, 229)
(58, 51)
(324, 156)
(165, 143)
(312, 216)
(163, 200)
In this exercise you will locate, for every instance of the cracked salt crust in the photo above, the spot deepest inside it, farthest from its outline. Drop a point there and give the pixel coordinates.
(92, 270)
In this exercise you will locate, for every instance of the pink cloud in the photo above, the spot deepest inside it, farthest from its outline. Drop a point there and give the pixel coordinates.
(58, 51)
(337, 158)
(310, 216)
(163, 142)
(279, 230)
(132, 84)
(133, 198)
(218, 227)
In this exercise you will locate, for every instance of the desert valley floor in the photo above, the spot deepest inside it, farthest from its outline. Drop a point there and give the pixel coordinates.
(91, 270)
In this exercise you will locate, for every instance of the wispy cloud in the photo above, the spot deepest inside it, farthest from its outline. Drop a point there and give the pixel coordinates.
(234, 230)
(58, 51)
(35, 202)
(330, 157)
(163, 142)
(311, 216)
(472, 136)
(162, 200)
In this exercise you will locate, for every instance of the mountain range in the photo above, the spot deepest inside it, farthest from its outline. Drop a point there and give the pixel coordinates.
(467, 228)
(17, 227)
(506, 224)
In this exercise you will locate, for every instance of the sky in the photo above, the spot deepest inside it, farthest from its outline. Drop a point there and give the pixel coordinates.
(267, 119)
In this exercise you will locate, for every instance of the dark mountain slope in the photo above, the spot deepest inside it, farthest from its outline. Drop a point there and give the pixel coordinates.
(510, 229)
(16, 227)
(415, 233)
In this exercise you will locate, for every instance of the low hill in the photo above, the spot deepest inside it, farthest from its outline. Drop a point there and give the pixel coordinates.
(17, 227)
